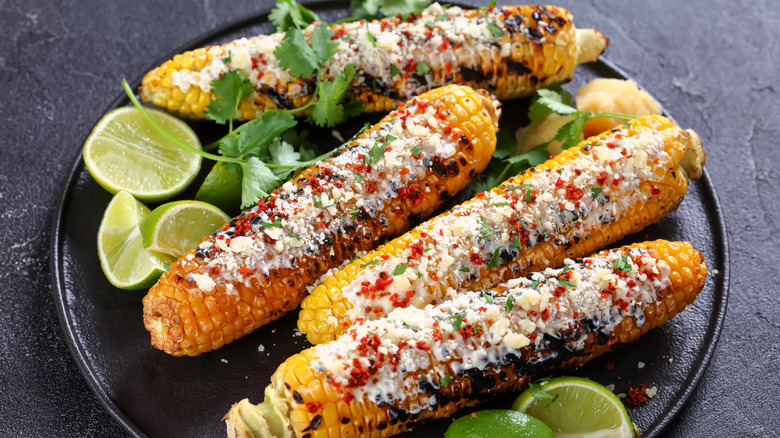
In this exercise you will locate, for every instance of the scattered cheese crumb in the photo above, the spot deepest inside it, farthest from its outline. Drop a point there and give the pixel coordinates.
(261, 348)
(640, 365)
(224, 360)
(611, 387)
(651, 392)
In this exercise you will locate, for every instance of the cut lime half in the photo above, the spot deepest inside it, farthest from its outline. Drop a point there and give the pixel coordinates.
(581, 408)
(125, 152)
(176, 227)
(124, 261)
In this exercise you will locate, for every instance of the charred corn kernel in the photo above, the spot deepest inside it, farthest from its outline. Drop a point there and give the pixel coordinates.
(581, 200)
(258, 266)
(415, 365)
(509, 50)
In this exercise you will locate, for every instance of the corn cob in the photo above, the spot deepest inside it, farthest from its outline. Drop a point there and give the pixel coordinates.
(581, 200)
(510, 51)
(420, 364)
(259, 265)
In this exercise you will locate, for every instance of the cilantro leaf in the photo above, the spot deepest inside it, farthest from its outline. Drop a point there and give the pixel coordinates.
(458, 321)
(289, 14)
(505, 143)
(327, 110)
(510, 302)
(400, 269)
(495, 31)
(390, 8)
(555, 100)
(487, 297)
(537, 155)
(622, 264)
(595, 191)
(322, 45)
(494, 259)
(229, 89)
(257, 135)
(296, 55)
(566, 283)
(257, 182)
(569, 133)
(538, 393)
(445, 381)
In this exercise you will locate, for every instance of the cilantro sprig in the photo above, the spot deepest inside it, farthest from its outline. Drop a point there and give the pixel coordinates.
(538, 393)
(507, 159)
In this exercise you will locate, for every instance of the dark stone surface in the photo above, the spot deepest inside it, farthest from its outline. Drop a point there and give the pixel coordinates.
(713, 65)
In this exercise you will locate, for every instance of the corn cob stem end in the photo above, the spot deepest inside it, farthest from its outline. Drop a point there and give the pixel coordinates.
(694, 158)
(590, 44)
(265, 420)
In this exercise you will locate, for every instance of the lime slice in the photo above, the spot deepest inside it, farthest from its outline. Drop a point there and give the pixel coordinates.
(176, 227)
(124, 260)
(221, 188)
(498, 423)
(583, 408)
(125, 152)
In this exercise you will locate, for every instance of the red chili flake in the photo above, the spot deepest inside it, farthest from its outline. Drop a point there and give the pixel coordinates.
(404, 171)
(631, 283)
(602, 178)
(573, 193)
(422, 346)
(475, 258)
(560, 290)
(434, 277)
(545, 314)
(577, 172)
(611, 365)
(611, 145)
(437, 335)
(383, 26)
(532, 313)
(313, 407)
(559, 183)
(244, 270)
(608, 291)
(448, 66)
(655, 190)
(637, 396)
(214, 270)
(617, 180)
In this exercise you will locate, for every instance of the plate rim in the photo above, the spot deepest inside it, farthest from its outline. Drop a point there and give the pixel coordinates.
(76, 348)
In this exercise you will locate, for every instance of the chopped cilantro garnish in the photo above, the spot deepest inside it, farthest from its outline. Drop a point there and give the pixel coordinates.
(427, 249)
(538, 393)
(376, 152)
(534, 285)
(476, 330)
(416, 152)
(422, 68)
(400, 269)
(510, 302)
(277, 223)
(499, 204)
(595, 192)
(622, 264)
(495, 30)
(370, 37)
(353, 212)
(352, 258)
(458, 321)
(494, 259)
(294, 236)
(445, 381)
(371, 263)
(464, 269)
(566, 283)
(394, 70)
(517, 242)
(358, 177)
(487, 297)
(317, 200)
(485, 230)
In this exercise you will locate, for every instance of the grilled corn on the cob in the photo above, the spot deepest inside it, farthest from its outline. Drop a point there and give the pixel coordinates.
(420, 364)
(581, 200)
(258, 266)
(509, 50)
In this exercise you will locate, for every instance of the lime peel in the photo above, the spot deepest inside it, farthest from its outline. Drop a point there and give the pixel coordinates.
(176, 227)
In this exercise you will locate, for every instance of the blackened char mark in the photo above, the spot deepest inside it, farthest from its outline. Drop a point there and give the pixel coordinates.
(517, 67)
(279, 99)
(475, 74)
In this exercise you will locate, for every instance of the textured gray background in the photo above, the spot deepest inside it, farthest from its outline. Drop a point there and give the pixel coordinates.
(713, 65)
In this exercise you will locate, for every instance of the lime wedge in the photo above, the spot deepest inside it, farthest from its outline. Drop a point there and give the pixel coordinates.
(125, 152)
(176, 227)
(221, 188)
(583, 408)
(498, 423)
(124, 260)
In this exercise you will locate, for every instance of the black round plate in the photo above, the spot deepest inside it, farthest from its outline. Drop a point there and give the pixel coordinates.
(153, 394)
